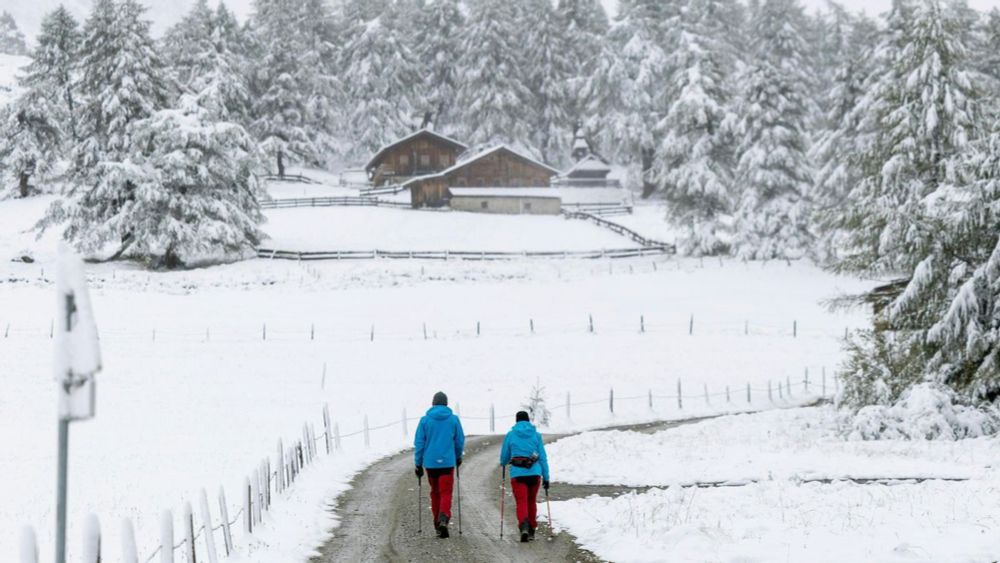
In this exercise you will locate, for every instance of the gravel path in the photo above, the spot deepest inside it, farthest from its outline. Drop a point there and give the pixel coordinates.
(379, 515)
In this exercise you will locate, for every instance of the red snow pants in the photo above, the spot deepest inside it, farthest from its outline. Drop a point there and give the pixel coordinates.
(525, 490)
(441, 481)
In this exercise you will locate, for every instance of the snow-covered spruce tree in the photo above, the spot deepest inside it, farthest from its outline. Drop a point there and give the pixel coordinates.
(51, 72)
(695, 161)
(318, 30)
(549, 73)
(383, 84)
(29, 143)
(839, 140)
(122, 80)
(435, 43)
(193, 194)
(281, 104)
(919, 109)
(919, 213)
(188, 44)
(493, 98)
(628, 91)
(11, 39)
(773, 171)
(989, 56)
(586, 26)
(221, 81)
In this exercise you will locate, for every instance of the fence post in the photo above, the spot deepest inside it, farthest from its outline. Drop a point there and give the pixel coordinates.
(166, 537)
(189, 548)
(824, 382)
(567, 406)
(263, 332)
(748, 393)
(29, 546)
(247, 506)
(326, 429)
(770, 397)
(611, 400)
(650, 399)
(691, 325)
(642, 324)
(425, 331)
(680, 396)
(795, 329)
(727, 394)
(807, 381)
(367, 433)
(788, 385)
(706, 394)
(492, 418)
(206, 519)
(227, 534)
(280, 483)
(531, 325)
(781, 394)
(746, 328)
(312, 331)
(591, 317)
(477, 328)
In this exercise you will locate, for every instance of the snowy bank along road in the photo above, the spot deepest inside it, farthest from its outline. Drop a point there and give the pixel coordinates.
(379, 514)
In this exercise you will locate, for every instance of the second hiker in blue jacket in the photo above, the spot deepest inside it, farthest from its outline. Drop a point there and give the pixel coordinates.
(438, 447)
(524, 450)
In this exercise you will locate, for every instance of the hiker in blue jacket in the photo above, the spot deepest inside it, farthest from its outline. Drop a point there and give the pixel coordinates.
(524, 450)
(438, 448)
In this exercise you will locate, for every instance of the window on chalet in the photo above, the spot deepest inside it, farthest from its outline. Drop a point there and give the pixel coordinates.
(425, 160)
(404, 160)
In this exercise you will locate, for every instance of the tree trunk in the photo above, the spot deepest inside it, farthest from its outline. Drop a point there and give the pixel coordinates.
(23, 184)
(647, 164)
(281, 164)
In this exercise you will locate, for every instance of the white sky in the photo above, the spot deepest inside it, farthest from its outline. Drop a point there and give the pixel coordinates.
(28, 13)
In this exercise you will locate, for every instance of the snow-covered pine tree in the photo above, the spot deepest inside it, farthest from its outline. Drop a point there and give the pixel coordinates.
(586, 17)
(280, 110)
(188, 44)
(318, 29)
(383, 83)
(989, 57)
(695, 161)
(220, 80)
(51, 72)
(550, 68)
(773, 171)
(122, 80)
(839, 140)
(920, 108)
(931, 216)
(493, 98)
(11, 39)
(586, 26)
(627, 92)
(435, 43)
(29, 143)
(193, 194)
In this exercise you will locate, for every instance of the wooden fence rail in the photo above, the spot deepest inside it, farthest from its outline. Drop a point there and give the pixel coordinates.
(274, 254)
(345, 201)
(288, 178)
(620, 229)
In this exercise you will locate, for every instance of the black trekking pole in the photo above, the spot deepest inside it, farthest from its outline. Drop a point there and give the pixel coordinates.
(420, 513)
(458, 473)
(503, 479)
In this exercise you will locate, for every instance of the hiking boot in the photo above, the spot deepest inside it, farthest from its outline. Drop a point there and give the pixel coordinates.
(531, 533)
(525, 531)
(442, 525)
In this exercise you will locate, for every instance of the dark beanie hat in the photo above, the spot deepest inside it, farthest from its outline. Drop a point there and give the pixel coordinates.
(440, 399)
(522, 416)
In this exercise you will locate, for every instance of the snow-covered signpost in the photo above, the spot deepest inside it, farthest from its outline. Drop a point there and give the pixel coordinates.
(77, 360)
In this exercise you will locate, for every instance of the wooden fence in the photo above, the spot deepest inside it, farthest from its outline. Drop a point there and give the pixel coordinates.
(289, 178)
(371, 191)
(600, 209)
(274, 254)
(345, 201)
(622, 230)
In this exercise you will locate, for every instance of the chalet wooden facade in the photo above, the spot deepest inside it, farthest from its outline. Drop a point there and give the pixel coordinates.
(496, 167)
(418, 154)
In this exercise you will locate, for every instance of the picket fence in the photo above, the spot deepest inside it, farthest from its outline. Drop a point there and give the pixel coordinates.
(202, 532)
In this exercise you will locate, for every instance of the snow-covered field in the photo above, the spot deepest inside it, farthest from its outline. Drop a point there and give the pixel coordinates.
(367, 228)
(776, 505)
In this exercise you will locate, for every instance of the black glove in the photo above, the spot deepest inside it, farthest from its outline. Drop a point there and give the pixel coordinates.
(458, 462)
(419, 471)
(545, 485)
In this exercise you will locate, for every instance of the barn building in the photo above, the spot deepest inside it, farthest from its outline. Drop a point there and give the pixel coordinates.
(418, 154)
(495, 167)
(510, 201)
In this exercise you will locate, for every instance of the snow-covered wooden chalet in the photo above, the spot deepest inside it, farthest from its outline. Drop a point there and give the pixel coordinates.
(417, 154)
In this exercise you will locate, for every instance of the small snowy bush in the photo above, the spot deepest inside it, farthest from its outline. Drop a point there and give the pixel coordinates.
(536, 408)
(925, 412)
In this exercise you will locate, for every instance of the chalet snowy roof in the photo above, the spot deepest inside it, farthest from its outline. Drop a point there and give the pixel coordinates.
(381, 152)
(545, 193)
(476, 156)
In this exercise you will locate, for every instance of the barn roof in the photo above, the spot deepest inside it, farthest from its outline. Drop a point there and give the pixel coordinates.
(545, 193)
(381, 152)
(481, 154)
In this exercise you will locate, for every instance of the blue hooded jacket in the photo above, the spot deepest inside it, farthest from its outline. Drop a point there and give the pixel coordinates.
(522, 441)
(440, 440)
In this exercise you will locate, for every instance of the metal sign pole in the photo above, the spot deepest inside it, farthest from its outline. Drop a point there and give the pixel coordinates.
(63, 468)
